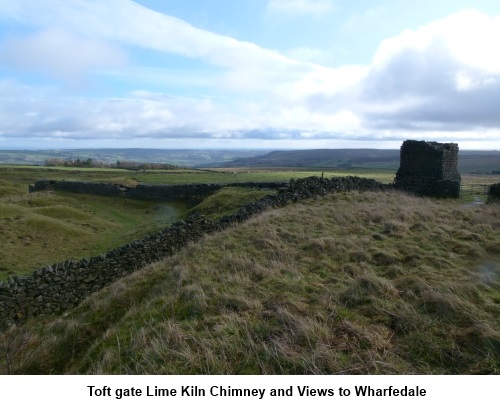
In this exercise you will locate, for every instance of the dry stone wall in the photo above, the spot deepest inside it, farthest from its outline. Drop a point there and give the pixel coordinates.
(56, 288)
(429, 169)
(192, 194)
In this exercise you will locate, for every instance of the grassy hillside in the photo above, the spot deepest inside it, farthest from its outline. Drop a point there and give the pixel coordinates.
(40, 230)
(228, 200)
(349, 283)
(8, 188)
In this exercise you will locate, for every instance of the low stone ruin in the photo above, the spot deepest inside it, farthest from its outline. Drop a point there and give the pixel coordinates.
(192, 194)
(429, 169)
(494, 194)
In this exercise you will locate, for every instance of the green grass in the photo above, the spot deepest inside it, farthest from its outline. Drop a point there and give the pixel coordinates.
(43, 228)
(40, 230)
(228, 200)
(28, 237)
(363, 283)
(25, 175)
(8, 188)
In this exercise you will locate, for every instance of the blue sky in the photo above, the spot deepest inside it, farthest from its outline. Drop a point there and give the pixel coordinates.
(248, 73)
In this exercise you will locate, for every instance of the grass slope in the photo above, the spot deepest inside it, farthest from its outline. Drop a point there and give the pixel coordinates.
(350, 283)
(40, 230)
(43, 228)
(228, 200)
(8, 188)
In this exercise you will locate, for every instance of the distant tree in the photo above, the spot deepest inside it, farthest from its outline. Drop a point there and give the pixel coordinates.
(54, 162)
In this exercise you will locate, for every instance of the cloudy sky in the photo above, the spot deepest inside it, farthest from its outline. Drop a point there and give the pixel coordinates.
(248, 73)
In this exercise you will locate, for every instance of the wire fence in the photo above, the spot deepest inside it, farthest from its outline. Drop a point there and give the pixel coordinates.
(474, 189)
(27, 196)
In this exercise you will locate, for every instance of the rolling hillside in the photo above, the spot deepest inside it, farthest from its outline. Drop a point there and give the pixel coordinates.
(340, 158)
(180, 157)
(350, 283)
(469, 161)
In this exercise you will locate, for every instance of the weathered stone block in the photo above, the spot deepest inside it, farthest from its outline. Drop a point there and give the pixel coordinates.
(494, 193)
(429, 169)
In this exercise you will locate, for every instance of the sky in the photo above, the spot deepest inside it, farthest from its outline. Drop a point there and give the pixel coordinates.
(270, 74)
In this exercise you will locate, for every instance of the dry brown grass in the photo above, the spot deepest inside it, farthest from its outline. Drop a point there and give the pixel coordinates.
(377, 283)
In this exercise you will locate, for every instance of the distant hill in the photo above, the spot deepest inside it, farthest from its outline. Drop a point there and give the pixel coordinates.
(469, 161)
(341, 158)
(179, 157)
(473, 161)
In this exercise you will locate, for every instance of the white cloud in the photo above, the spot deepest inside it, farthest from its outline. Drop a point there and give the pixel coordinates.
(312, 55)
(243, 66)
(139, 114)
(445, 76)
(420, 83)
(129, 23)
(43, 114)
(301, 7)
(59, 53)
(328, 83)
(435, 81)
(469, 37)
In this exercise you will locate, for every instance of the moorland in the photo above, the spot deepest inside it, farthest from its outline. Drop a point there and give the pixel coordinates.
(373, 282)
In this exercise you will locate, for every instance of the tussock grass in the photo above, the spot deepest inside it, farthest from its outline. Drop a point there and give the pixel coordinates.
(378, 283)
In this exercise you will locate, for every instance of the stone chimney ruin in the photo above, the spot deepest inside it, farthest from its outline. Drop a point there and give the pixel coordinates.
(429, 169)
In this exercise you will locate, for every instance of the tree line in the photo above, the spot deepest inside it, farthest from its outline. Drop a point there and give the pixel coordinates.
(120, 164)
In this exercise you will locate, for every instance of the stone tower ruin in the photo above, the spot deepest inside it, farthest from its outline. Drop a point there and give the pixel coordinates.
(429, 169)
